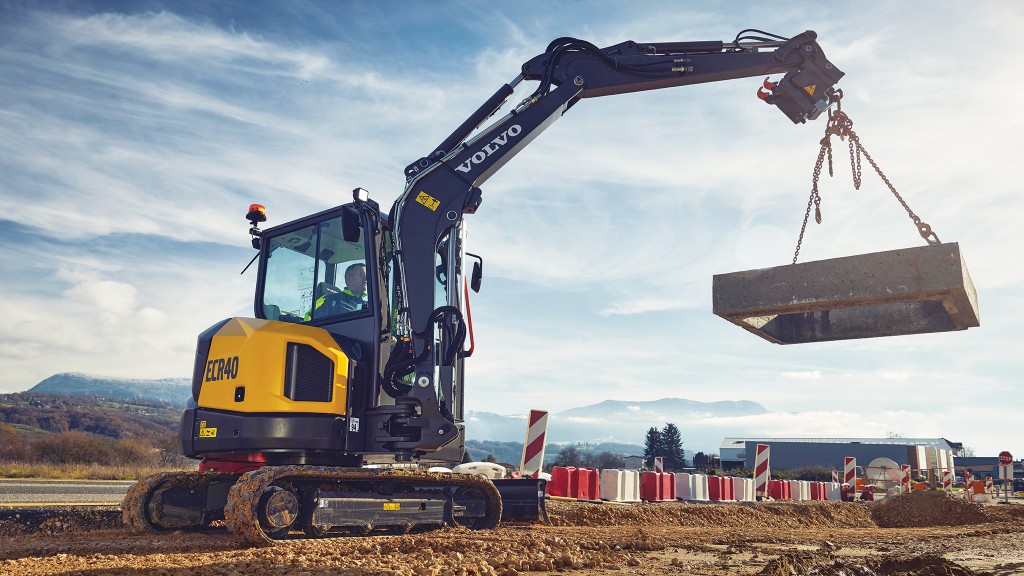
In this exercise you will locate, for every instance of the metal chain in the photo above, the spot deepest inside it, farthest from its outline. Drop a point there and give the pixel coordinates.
(841, 125)
(923, 228)
(815, 199)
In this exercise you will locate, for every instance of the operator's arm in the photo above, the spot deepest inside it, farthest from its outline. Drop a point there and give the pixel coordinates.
(802, 94)
(444, 185)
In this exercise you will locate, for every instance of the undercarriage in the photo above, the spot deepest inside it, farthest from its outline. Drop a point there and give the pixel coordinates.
(283, 502)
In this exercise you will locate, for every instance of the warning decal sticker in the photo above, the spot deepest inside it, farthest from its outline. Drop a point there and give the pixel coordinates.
(428, 200)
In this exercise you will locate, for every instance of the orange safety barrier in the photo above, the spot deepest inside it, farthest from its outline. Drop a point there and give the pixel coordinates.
(780, 490)
(595, 484)
(572, 482)
(668, 486)
(978, 487)
(650, 486)
(715, 488)
(559, 484)
(657, 486)
(720, 489)
(584, 484)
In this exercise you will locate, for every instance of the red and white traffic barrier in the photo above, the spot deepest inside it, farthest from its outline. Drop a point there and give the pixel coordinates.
(699, 487)
(490, 470)
(620, 485)
(659, 464)
(800, 490)
(834, 491)
(533, 448)
(905, 478)
(762, 470)
(743, 489)
(657, 486)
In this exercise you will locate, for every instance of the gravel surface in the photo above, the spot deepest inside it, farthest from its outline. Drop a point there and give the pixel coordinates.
(903, 536)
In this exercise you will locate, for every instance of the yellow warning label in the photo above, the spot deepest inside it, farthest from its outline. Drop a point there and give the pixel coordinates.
(810, 89)
(392, 506)
(205, 432)
(428, 200)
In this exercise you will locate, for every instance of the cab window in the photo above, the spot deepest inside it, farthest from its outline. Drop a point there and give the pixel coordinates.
(312, 273)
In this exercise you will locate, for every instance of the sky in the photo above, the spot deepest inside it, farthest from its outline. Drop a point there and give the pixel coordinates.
(134, 135)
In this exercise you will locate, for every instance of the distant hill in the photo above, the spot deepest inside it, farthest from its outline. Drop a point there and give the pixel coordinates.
(512, 452)
(620, 421)
(35, 413)
(665, 406)
(702, 424)
(173, 390)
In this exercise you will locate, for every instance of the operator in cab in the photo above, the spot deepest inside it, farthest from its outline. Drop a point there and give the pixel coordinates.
(349, 299)
(353, 296)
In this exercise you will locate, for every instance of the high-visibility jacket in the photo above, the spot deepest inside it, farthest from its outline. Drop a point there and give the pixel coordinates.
(341, 302)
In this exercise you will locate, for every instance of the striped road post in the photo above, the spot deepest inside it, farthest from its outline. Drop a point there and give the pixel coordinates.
(659, 464)
(762, 471)
(533, 448)
(835, 476)
(905, 481)
(850, 474)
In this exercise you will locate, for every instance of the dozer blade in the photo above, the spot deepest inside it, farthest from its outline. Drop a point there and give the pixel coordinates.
(522, 499)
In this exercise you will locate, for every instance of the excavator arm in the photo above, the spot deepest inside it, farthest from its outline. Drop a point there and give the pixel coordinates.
(445, 184)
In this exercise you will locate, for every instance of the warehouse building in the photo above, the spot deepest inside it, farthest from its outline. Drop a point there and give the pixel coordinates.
(793, 453)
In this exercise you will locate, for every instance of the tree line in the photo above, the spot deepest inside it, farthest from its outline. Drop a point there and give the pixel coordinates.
(75, 447)
(140, 419)
(666, 443)
(37, 428)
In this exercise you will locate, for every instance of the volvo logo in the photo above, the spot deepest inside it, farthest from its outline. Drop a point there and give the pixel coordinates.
(492, 147)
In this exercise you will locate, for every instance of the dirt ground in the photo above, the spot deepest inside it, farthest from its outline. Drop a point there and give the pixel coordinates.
(919, 534)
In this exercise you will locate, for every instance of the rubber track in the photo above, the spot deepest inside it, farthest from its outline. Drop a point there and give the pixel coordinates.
(243, 498)
(133, 507)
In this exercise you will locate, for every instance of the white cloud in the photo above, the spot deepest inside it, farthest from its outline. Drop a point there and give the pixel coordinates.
(106, 295)
(600, 238)
(807, 375)
(168, 37)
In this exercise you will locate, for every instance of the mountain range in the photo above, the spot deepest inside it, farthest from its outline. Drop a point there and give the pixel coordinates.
(173, 390)
(610, 421)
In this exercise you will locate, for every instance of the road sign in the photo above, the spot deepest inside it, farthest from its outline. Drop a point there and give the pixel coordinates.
(1005, 457)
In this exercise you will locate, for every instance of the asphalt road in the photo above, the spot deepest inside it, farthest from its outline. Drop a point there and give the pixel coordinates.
(26, 493)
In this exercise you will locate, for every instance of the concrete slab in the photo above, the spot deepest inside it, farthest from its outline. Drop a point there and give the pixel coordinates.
(908, 291)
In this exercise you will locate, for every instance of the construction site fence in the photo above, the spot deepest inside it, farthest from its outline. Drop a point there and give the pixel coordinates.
(593, 485)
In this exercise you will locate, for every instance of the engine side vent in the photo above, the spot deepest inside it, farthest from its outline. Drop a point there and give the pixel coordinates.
(309, 375)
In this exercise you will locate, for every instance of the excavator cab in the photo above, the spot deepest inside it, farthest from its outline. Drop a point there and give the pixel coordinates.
(296, 382)
(313, 379)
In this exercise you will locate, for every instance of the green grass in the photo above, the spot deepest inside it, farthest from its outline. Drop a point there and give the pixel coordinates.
(78, 471)
(30, 432)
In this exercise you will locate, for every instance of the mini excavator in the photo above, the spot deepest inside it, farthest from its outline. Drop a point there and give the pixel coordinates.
(356, 353)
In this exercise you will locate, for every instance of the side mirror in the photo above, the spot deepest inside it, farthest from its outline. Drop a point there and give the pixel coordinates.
(478, 272)
(477, 276)
(350, 224)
